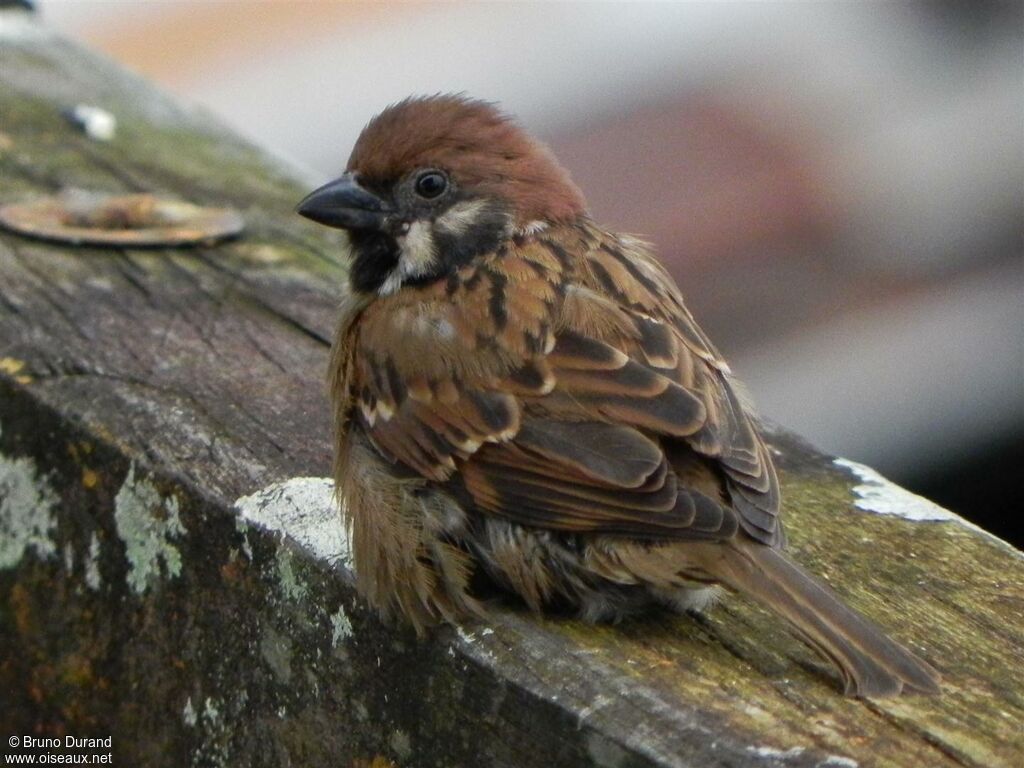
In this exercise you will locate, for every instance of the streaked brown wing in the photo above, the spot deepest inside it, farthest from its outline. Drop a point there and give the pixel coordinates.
(653, 325)
(564, 404)
(591, 477)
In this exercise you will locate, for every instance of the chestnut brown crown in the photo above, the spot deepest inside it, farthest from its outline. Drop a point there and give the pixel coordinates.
(480, 147)
(436, 182)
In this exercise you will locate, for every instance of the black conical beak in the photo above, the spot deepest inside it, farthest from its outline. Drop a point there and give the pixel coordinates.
(344, 204)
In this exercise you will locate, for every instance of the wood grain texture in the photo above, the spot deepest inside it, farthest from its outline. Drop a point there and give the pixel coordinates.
(161, 386)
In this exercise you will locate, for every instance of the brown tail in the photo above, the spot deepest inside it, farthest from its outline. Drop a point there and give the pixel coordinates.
(871, 663)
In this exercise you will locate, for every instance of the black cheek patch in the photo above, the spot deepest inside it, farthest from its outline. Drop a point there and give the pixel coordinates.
(485, 235)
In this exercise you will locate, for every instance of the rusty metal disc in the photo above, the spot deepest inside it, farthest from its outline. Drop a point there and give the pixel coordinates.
(121, 221)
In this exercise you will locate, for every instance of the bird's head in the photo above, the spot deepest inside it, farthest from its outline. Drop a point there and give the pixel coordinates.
(434, 182)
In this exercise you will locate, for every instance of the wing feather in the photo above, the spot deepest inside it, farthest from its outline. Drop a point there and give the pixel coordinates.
(572, 394)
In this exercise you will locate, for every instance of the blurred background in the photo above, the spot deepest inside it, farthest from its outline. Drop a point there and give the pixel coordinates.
(838, 187)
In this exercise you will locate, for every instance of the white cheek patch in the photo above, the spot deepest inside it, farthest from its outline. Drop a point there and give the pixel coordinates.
(417, 257)
(418, 251)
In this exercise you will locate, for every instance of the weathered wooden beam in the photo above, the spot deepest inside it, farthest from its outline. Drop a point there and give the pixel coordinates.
(173, 573)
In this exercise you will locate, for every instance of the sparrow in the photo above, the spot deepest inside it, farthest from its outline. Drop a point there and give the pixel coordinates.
(522, 398)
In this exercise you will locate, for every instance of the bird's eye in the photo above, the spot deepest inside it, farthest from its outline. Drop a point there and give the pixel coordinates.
(431, 184)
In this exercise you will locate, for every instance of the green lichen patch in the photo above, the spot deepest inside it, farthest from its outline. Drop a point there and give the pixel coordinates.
(293, 588)
(148, 523)
(27, 517)
(341, 627)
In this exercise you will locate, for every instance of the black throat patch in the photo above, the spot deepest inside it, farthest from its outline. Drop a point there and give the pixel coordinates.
(375, 257)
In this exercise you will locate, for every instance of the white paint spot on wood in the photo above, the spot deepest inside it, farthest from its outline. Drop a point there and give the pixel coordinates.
(147, 522)
(95, 122)
(27, 503)
(882, 496)
(303, 509)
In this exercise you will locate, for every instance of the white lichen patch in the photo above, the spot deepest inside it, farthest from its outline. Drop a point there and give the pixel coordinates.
(211, 711)
(836, 761)
(341, 627)
(213, 749)
(771, 753)
(400, 744)
(188, 714)
(92, 565)
(147, 522)
(474, 644)
(27, 504)
(304, 510)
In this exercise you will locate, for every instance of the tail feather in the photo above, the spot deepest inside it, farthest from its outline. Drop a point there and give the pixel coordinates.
(871, 663)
